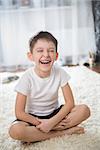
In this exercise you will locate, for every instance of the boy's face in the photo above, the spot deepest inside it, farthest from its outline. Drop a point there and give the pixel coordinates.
(44, 54)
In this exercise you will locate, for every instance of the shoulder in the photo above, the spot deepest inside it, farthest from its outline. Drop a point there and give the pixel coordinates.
(57, 68)
(26, 76)
(27, 73)
(24, 83)
(60, 69)
(63, 75)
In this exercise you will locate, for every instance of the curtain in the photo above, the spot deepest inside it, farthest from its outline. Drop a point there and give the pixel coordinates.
(70, 21)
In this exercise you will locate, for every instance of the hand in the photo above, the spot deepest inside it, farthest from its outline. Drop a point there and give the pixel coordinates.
(64, 124)
(44, 126)
(37, 121)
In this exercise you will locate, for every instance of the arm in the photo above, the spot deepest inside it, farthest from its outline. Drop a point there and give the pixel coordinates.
(69, 104)
(20, 110)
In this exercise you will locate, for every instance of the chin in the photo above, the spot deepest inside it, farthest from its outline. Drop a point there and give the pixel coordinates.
(46, 69)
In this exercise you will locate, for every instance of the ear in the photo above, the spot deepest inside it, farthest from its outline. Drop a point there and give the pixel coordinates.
(30, 56)
(56, 56)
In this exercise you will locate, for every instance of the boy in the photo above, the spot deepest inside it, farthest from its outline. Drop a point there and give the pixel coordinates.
(38, 90)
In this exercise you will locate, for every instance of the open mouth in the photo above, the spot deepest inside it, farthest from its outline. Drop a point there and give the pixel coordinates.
(45, 62)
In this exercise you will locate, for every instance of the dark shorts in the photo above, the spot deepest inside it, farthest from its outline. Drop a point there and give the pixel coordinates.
(43, 117)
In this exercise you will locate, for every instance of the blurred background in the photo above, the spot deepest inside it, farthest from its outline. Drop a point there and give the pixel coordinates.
(75, 24)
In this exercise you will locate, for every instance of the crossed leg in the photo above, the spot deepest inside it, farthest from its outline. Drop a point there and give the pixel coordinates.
(23, 132)
(77, 115)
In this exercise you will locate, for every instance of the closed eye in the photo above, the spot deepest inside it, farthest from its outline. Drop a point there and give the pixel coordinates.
(51, 50)
(39, 50)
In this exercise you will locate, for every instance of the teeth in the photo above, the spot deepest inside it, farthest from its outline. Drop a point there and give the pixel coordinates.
(45, 62)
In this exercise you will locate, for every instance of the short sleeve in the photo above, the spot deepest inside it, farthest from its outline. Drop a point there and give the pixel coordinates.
(65, 77)
(23, 85)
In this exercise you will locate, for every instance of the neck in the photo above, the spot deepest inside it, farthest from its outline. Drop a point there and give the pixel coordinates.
(42, 74)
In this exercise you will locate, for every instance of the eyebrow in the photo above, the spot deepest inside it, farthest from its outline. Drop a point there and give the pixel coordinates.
(39, 48)
(43, 48)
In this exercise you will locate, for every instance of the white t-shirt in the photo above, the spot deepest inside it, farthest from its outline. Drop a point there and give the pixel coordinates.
(42, 93)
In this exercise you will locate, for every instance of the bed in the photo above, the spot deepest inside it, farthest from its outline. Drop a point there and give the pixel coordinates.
(85, 84)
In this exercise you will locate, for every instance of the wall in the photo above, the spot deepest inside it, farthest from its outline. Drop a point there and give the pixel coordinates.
(96, 13)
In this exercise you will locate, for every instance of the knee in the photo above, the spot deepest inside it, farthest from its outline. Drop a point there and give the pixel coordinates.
(86, 110)
(16, 132)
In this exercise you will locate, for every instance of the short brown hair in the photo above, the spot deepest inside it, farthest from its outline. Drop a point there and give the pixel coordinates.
(42, 35)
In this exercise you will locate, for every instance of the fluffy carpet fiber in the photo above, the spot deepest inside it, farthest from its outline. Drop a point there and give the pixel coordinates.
(86, 89)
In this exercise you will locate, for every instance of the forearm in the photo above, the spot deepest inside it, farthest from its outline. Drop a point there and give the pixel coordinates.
(20, 110)
(27, 118)
(61, 114)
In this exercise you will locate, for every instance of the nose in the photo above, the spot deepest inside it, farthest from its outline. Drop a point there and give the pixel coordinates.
(46, 53)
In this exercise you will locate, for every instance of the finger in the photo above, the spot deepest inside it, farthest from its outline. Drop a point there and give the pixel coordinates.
(63, 124)
(60, 128)
(39, 119)
(38, 127)
(66, 120)
(56, 127)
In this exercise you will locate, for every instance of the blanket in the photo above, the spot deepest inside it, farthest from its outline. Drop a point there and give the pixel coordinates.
(85, 85)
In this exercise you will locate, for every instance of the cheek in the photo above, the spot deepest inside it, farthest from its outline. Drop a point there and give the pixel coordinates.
(36, 58)
(54, 57)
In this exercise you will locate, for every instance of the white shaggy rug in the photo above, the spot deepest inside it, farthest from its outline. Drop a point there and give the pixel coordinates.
(86, 88)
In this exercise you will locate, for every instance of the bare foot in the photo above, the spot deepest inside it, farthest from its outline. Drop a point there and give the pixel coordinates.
(74, 130)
